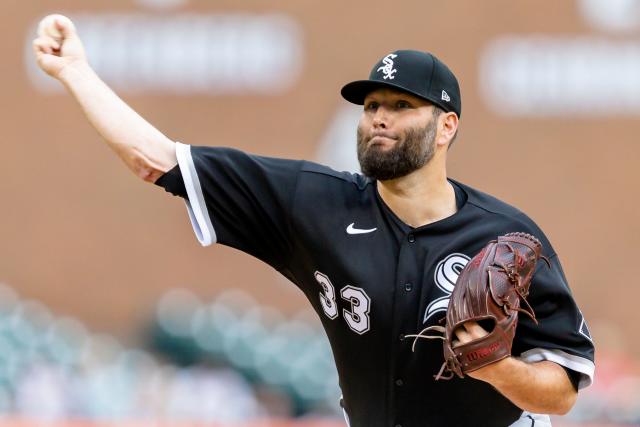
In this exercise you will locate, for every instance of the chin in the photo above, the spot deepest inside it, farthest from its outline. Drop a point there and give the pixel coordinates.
(382, 147)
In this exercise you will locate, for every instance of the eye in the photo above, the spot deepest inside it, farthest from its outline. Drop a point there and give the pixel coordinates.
(402, 104)
(371, 106)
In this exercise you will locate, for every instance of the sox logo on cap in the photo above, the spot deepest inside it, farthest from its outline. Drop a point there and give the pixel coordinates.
(387, 68)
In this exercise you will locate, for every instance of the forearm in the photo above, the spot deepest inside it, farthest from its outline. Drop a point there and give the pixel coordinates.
(541, 387)
(143, 148)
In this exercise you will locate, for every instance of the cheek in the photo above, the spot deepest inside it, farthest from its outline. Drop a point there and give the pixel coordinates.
(363, 129)
(364, 123)
(415, 122)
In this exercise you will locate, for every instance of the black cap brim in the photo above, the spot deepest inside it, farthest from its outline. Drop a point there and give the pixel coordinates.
(355, 92)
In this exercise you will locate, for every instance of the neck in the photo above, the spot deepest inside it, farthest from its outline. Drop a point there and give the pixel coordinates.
(422, 197)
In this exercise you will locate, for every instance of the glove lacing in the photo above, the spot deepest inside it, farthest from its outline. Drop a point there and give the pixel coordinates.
(445, 366)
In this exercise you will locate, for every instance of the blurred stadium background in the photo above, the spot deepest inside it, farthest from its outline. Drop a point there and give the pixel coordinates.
(111, 313)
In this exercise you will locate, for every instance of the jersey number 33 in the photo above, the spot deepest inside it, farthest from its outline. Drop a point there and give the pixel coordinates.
(357, 316)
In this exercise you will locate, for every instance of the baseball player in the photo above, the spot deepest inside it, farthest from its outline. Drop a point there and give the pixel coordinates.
(377, 254)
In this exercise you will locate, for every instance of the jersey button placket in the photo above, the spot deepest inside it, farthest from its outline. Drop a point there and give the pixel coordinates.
(405, 301)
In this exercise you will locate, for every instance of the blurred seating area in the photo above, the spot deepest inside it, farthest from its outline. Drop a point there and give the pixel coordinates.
(614, 397)
(208, 363)
(288, 357)
(230, 361)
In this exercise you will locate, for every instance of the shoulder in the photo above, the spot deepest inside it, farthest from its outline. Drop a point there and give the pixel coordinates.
(487, 202)
(309, 171)
(220, 156)
(314, 171)
(502, 216)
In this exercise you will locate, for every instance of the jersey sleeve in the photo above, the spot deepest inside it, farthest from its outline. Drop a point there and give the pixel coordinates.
(236, 199)
(561, 335)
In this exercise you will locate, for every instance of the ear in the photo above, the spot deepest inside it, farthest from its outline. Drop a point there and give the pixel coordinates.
(447, 127)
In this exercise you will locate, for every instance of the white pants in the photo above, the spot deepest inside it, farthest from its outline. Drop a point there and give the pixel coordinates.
(532, 420)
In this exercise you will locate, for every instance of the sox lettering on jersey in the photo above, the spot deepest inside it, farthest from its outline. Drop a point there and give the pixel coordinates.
(445, 276)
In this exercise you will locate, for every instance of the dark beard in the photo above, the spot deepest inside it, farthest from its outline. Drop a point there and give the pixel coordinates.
(406, 156)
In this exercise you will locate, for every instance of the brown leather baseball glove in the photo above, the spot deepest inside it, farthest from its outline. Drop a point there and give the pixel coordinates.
(491, 290)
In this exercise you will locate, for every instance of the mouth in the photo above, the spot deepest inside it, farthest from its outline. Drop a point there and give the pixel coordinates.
(382, 140)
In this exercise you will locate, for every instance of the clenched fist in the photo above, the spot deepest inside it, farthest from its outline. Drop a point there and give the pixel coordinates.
(57, 45)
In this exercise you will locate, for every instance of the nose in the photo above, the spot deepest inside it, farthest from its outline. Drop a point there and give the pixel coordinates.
(380, 118)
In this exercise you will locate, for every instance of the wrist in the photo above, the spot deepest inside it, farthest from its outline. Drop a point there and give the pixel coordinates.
(497, 372)
(73, 71)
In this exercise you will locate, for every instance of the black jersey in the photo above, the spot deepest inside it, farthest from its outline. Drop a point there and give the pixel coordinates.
(372, 279)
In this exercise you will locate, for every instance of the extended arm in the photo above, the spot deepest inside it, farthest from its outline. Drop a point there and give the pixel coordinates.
(143, 148)
(542, 387)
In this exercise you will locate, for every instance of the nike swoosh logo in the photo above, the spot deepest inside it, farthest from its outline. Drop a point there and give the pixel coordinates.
(352, 230)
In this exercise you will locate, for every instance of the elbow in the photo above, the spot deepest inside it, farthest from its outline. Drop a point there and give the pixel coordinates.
(143, 170)
(564, 405)
(149, 166)
(148, 174)
(556, 405)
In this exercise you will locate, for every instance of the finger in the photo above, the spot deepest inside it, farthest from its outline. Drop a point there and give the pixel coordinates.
(64, 26)
(469, 331)
(41, 46)
(53, 43)
(463, 336)
(475, 330)
(46, 45)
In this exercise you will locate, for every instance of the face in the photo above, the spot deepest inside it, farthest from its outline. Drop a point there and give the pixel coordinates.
(396, 134)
